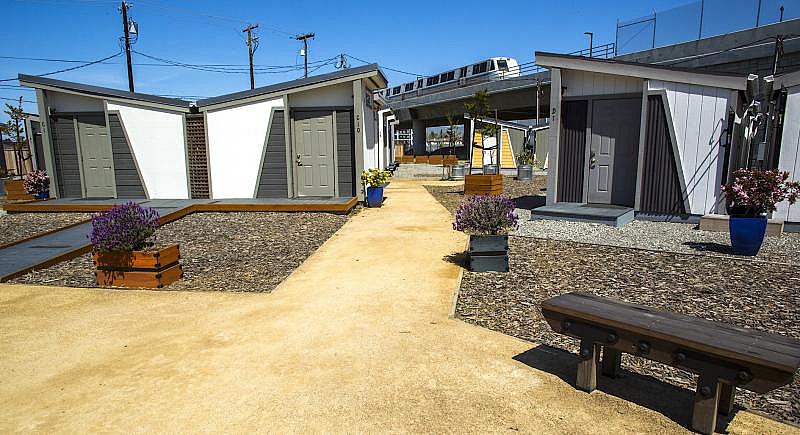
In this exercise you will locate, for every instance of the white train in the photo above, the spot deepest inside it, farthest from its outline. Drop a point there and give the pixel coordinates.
(496, 68)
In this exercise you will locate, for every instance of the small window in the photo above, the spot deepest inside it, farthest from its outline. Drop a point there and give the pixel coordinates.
(502, 65)
(463, 72)
(430, 81)
(396, 90)
(491, 65)
(479, 68)
(409, 87)
(419, 84)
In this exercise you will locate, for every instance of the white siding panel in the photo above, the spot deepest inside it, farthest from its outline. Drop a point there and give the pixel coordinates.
(582, 83)
(63, 102)
(157, 140)
(236, 138)
(790, 153)
(699, 114)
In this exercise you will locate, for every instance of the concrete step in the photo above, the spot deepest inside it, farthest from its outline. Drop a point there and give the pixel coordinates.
(612, 215)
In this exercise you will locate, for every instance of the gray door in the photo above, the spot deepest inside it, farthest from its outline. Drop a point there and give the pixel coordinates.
(96, 157)
(314, 153)
(613, 151)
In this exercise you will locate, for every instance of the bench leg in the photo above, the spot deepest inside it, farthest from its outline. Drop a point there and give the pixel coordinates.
(727, 394)
(611, 361)
(706, 402)
(589, 356)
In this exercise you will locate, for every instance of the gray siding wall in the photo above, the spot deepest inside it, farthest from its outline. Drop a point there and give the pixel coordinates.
(661, 187)
(572, 150)
(129, 183)
(344, 153)
(272, 183)
(65, 154)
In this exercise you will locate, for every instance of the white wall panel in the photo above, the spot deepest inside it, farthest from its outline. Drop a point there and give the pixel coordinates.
(582, 83)
(329, 96)
(63, 102)
(236, 138)
(699, 116)
(790, 152)
(157, 140)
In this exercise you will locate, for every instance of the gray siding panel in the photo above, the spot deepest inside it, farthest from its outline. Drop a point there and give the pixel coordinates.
(571, 154)
(661, 186)
(272, 183)
(65, 154)
(129, 183)
(344, 153)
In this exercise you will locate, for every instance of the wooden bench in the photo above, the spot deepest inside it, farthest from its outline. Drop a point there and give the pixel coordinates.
(724, 356)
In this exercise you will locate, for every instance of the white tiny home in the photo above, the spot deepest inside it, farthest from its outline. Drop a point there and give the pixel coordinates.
(307, 137)
(647, 137)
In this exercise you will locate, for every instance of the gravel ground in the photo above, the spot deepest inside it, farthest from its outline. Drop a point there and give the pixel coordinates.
(19, 226)
(659, 236)
(758, 295)
(239, 252)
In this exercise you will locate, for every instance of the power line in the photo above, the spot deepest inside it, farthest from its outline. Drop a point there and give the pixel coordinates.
(72, 68)
(385, 67)
(236, 69)
(17, 100)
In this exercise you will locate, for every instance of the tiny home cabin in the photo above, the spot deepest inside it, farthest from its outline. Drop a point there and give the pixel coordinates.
(307, 137)
(650, 138)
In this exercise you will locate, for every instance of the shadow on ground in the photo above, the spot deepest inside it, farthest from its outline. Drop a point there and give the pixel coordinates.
(710, 247)
(673, 402)
(530, 201)
(458, 258)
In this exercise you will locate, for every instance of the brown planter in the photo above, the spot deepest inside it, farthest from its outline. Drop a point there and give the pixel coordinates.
(450, 160)
(147, 269)
(435, 159)
(15, 191)
(421, 159)
(483, 185)
(407, 159)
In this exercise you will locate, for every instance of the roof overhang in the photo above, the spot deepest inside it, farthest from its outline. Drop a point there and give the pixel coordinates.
(110, 94)
(787, 80)
(371, 73)
(640, 70)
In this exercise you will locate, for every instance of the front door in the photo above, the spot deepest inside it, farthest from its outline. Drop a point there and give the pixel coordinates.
(613, 151)
(96, 157)
(313, 152)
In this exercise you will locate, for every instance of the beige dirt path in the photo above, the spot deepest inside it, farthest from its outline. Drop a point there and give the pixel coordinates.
(357, 339)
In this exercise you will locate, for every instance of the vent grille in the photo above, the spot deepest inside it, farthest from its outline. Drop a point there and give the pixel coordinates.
(198, 157)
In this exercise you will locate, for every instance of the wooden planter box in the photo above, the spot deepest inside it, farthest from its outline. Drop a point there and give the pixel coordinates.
(483, 184)
(139, 269)
(488, 253)
(421, 159)
(435, 159)
(407, 159)
(15, 191)
(450, 159)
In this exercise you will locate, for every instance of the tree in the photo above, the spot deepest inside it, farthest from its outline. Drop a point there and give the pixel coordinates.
(478, 108)
(451, 133)
(13, 129)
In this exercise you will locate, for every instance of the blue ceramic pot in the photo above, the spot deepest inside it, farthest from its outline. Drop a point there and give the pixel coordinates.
(374, 196)
(747, 234)
(42, 195)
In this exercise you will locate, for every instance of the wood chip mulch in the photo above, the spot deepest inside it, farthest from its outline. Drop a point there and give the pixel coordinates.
(237, 252)
(526, 194)
(759, 295)
(18, 226)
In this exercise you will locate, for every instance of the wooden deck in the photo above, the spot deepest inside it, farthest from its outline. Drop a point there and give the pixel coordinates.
(77, 205)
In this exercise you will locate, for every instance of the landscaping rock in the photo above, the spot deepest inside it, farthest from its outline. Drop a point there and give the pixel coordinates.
(18, 226)
(240, 252)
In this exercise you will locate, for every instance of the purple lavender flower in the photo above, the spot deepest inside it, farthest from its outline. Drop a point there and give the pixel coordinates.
(126, 227)
(486, 214)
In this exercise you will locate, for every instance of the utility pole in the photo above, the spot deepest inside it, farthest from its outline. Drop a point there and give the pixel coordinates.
(126, 31)
(305, 38)
(778, 53)
(252, 45)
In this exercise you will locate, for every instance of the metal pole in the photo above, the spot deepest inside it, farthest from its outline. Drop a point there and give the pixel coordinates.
(654, 29)
(591, 36)
(616, 43)
(538, 92)
(781, 19)
(249, 29)
(305, 39)
(758, 13)
(702, 8)
(125, 29)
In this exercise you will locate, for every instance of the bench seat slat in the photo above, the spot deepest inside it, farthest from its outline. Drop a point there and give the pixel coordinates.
(745, 344)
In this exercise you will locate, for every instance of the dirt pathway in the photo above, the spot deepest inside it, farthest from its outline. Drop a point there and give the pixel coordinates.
(357, 339)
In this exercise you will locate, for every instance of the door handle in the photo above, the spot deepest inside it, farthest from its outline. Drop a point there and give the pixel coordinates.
(299, 163)
(592, 160)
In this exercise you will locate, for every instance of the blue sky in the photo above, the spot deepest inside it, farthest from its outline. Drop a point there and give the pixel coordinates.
(418, 37)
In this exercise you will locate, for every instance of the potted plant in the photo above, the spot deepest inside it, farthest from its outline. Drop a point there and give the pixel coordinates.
(375, 180)
(490, 182)
(752, 194)
(124, 250)
(525, 162)
(487, 219)
(37, 183)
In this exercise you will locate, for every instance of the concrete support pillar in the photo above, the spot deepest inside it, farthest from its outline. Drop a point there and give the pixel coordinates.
(418, 139)
(467, 140)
